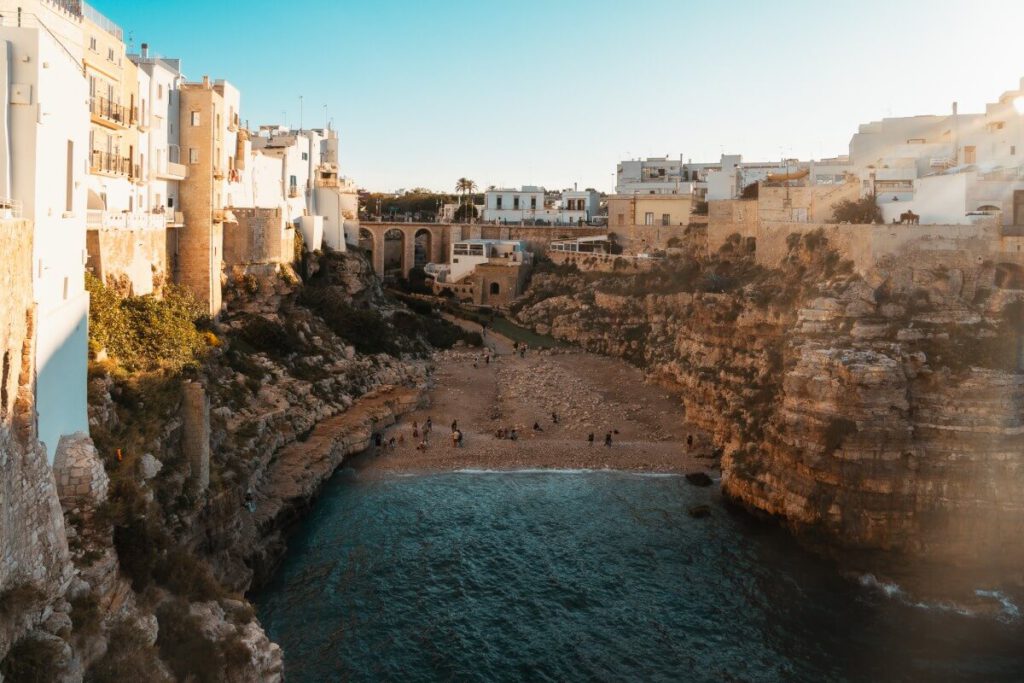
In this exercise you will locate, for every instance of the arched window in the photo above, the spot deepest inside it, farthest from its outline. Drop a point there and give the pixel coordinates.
(495, 288)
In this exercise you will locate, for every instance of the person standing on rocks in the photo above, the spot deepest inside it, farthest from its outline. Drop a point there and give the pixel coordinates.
(590, 439)
(455, 425)
(428, 426)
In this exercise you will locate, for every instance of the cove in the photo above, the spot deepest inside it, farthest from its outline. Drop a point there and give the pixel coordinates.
(584, 575)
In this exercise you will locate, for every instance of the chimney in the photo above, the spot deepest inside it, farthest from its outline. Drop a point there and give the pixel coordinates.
(145, 50)
(954, 109)
(206, 81)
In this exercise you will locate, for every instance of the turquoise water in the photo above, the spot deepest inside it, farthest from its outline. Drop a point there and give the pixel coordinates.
(589, 576)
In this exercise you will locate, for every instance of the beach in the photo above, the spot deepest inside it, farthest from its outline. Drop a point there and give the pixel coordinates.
(588, 394)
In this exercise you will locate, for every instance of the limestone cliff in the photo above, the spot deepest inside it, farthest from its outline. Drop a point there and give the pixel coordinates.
(874, 413)
(209, 443)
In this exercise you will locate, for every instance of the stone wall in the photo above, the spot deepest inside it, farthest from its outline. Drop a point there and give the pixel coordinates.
(868, 245)
(259, 236)
(603, 263)
(34, 563)
(130, 261)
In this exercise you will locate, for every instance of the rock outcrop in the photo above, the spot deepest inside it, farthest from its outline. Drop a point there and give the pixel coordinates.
(877, 413)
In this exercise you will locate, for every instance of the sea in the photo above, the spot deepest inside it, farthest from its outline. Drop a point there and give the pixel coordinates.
(594, 576)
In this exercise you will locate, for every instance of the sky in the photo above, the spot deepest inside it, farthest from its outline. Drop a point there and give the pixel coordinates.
(556, 92)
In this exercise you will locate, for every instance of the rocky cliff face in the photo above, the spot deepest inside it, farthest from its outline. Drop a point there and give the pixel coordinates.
(877, 413)
(198, 471)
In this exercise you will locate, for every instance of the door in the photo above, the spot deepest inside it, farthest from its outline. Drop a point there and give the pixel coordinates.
(1018, 207)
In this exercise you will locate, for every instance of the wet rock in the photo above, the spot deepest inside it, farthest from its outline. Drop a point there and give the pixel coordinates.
(700, 511)
(699, 479)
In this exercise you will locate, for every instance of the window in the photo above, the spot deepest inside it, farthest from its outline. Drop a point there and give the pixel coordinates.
(110, 54)
(649, 218)
(195, 118)
(193, 155)
(499, 203)
(305, 156)
(970, 154)
(1013, 150)
(92, 44)
(666, 219)
(621, 219)
(515, 202)
(533, 202)
(159, 91)
(495, 288)
(170, 202)
(92, 86)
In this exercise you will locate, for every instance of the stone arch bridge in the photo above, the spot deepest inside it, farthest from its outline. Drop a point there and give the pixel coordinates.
(397, 248)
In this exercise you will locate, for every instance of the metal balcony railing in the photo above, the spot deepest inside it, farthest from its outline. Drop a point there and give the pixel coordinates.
(105, 162)
(10, 208)
(113, 111)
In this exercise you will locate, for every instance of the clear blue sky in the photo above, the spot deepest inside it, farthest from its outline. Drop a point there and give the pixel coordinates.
(553, 92)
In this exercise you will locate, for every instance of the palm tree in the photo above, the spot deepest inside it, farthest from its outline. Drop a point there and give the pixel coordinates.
(467, 187)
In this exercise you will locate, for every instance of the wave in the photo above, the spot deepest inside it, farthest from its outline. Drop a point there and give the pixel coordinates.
(557, 470)
(1008, 610)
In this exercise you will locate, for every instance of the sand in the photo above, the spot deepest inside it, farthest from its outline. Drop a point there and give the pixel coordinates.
(588, 393)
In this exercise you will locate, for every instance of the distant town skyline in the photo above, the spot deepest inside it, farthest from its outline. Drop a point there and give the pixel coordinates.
(533, 93)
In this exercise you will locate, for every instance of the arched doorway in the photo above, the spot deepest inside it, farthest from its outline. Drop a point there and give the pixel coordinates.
(495, 288)
(394, 249)
(424, 248)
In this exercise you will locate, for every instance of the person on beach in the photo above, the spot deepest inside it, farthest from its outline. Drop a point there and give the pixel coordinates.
(459, 439)
(401, 439)
(514, 435)
(590, 439)
(415, 431)
(689, 441)
(537, 427)
(428, 426)
(487, 359)
(608, 440)
(391, 443)
(422, 445)
(455, 438)
(455, 425)
(378, 439)
(554, 418)
(515, 346)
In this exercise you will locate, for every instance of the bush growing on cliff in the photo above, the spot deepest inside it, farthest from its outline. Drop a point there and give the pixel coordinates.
(144, 332)
(862, 211)
(129, 657)
(32, 660)
(365, 329)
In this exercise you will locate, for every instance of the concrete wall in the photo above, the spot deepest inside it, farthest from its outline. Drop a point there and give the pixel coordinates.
(627, 210)
(130, 261)
(733, 211)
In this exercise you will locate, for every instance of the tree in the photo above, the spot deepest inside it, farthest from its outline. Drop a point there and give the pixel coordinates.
(467, 187)
(861, 211)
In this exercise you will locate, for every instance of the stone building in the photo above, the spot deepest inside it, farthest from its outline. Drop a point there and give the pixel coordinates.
(208, 124)
(483, 271)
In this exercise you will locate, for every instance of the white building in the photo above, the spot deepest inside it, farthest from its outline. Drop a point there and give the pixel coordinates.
(948, 169)
(159, 140)
(532, 204)
(44, 137)
(466, 255)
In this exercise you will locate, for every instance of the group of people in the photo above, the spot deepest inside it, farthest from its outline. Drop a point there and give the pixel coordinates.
(519, 348)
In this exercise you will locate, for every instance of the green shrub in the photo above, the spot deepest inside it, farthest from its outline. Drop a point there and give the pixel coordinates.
(144, 332)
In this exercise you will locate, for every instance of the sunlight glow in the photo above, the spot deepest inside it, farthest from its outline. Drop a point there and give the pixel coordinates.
(1018, 104)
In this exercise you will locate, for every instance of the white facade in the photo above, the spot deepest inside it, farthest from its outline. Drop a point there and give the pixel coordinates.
(514, 206)
(45, 136)
(466, 255)
(159, 139)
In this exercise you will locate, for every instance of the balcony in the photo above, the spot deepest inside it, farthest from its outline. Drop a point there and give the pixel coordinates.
(293, 191)
(218, 173)
(109, 164)
(96, 219)
(111, 114)
(169, 170)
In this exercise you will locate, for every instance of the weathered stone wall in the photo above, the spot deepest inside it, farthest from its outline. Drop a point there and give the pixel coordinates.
(131, 261)
(259, 236)
(603, 263)
(34, 564)
(195, 444)
(956, 246)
